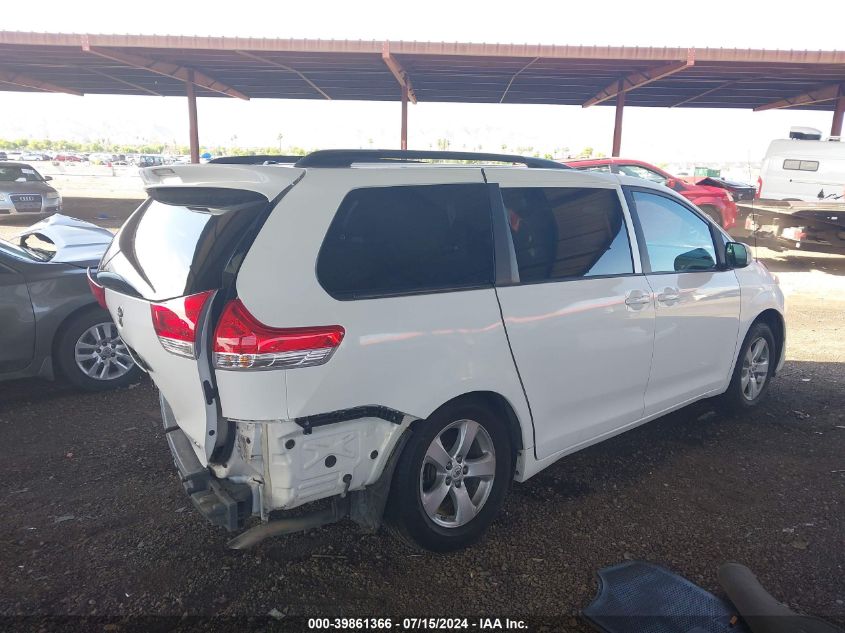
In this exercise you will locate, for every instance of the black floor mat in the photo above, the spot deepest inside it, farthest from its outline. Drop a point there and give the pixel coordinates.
(638, 597)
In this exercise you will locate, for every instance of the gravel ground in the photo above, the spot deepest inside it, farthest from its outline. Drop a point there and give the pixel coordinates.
(97, 523)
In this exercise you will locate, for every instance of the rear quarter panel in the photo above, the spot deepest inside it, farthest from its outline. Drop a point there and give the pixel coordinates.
(410, 353)
(57, 291)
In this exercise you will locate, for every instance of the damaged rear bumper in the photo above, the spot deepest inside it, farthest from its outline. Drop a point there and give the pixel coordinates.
(347, 456)
(224, 503)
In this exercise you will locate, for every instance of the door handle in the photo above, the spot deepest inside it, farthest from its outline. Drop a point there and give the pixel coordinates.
(637, 299)
(669, 296)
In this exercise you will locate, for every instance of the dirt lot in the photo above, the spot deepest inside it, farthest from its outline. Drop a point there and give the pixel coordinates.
(97, 523)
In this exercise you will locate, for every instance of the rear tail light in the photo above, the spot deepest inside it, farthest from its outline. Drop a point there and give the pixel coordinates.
(242, 342)
(97, 290)
(759, 188)
(175, 322)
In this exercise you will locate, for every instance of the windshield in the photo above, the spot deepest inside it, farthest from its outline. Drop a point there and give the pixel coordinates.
(641, 172)
(19, 173)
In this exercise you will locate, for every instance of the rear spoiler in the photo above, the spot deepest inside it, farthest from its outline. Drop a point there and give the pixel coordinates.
(269, 182)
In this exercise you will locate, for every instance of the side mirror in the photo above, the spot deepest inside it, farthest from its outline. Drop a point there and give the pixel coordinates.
(696, 259)
(46, 178)
(737, 255)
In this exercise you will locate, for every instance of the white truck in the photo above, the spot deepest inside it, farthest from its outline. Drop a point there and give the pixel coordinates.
(800, 201)
(803, 167)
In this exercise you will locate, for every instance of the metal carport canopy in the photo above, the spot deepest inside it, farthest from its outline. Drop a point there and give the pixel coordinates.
(252, 68)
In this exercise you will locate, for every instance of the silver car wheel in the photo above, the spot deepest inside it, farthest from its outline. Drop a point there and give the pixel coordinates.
(101, 354)
(755, 369)
(457, 474)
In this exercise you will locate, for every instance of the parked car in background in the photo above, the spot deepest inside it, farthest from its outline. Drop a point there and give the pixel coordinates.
(740, 191)
(429, 332)
(69, 158)
(147, 160)
(34, 156)
(24, 190)
(4, 156)
(803, 167)
(715, 202)
(52, 325)
(100, 158)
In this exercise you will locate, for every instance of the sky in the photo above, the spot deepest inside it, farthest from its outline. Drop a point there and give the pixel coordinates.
(658, 135)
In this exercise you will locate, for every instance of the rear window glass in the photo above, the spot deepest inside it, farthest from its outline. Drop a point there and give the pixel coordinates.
(171, 250)
(567, 232)
(801, 165)
(408, 239)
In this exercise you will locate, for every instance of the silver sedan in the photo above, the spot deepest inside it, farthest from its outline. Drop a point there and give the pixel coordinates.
(24, 191)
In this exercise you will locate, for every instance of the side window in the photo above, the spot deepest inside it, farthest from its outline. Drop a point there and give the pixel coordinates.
(676, 239)
(564, 233)
(408, 239)
(605, 169)
(801, 165)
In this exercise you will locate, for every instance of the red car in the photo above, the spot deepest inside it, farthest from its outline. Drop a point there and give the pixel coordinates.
(713, 201)
(69, 158)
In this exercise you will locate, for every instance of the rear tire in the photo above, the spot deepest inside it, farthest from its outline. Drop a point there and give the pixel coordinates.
(754, 369)
(443, 496)
(90, 355)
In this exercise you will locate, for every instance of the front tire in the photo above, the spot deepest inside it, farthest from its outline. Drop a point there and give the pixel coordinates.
(90, 354)
(451, 478)
(754, 369)
(712, 213)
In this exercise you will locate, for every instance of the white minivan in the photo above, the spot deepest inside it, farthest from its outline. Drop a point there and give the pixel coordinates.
(803, 167)
(406, 338)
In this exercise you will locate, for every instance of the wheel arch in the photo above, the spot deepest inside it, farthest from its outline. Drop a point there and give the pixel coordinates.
(714, 211)
(64, 324)
(501, 405)
(777, 325)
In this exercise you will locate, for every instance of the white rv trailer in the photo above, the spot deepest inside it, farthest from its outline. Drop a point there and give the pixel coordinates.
(803, 167)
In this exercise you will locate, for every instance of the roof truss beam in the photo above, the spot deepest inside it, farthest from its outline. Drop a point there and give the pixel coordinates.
(726, 84)
(641, 78)
(515, 75)
(16, 79)
(271, 62)
(827, 92)
(102, 73)
(168, 69)
(398, 71)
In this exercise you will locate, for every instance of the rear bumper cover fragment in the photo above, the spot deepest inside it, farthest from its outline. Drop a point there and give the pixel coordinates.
(223, 503)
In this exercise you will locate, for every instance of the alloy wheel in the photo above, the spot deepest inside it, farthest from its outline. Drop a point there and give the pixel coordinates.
(457, 473)
(755, 368)
(101, 354)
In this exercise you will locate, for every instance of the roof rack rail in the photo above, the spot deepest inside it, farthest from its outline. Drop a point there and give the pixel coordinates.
(259, 159)
(346, 157)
